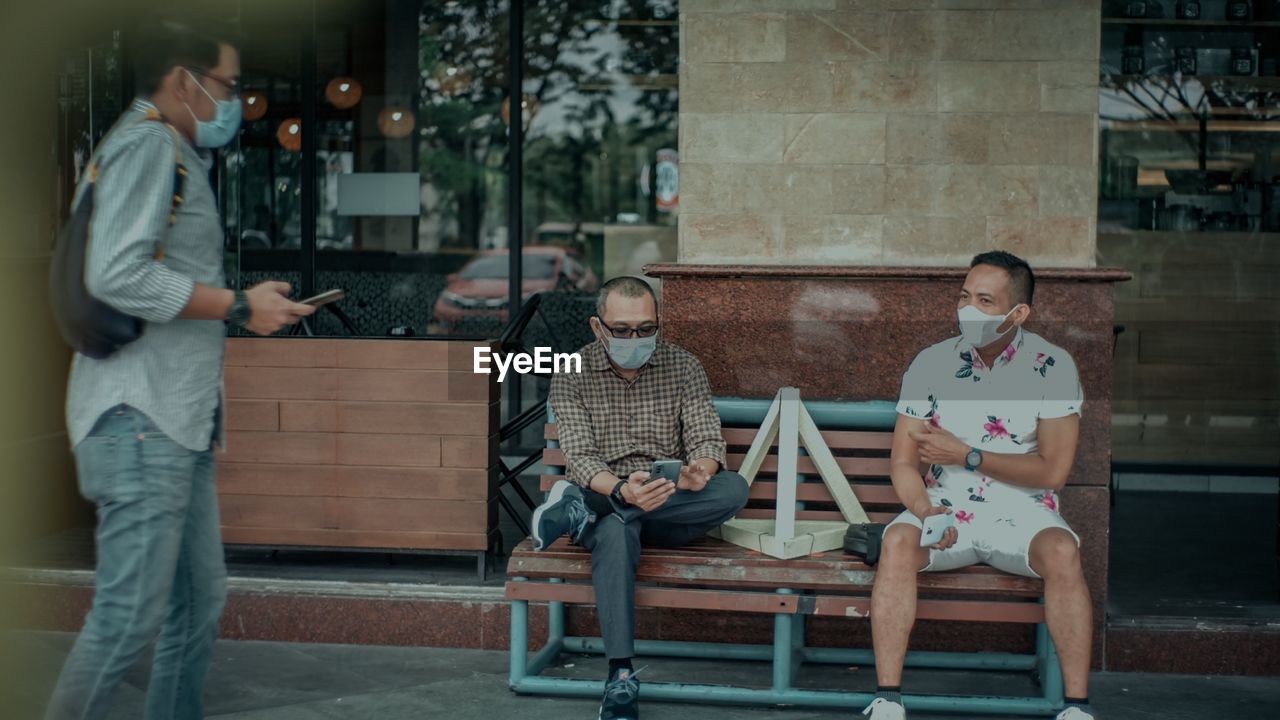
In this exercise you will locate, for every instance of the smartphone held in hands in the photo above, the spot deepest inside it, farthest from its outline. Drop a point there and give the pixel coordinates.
(325, 298)
(669, 469)
(934, 527)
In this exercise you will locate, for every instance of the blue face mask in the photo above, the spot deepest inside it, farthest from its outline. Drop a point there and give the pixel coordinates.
(223, 127)
(632, 353)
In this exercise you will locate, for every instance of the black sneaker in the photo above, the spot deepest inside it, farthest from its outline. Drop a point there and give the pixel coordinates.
(621, 697)
(565, 511)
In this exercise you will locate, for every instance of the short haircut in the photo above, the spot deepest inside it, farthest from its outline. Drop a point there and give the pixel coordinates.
(179, 39)
(627, 286)
(1022, 282)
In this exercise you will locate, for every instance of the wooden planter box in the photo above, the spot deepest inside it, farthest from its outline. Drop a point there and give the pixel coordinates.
(359, 444)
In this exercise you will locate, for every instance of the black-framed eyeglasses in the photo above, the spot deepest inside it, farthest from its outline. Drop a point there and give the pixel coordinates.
(644, 331)
(231, 86)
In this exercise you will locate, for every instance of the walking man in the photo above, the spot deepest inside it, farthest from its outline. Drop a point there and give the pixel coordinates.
(144, 420)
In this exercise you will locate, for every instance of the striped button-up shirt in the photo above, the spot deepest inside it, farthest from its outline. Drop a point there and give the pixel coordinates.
(607, 423)
(173, 373)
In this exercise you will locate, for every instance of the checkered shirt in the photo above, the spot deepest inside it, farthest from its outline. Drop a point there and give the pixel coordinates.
(608, 423)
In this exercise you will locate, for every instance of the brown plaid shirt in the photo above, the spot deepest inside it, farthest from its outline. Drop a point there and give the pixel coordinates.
(607, 423)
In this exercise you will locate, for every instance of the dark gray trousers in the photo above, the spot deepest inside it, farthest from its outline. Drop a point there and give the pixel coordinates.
(615, 540)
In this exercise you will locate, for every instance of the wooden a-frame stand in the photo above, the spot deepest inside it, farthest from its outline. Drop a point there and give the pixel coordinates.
(785, 537)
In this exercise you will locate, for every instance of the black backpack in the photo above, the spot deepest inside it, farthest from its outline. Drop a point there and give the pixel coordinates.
(863, 540)
(88, 325)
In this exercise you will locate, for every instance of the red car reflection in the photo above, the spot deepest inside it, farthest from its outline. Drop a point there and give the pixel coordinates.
(480, 288)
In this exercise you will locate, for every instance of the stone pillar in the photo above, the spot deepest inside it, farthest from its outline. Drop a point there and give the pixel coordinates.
(888, 132)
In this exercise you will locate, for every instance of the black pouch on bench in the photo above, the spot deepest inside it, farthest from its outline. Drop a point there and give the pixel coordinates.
(863, 540)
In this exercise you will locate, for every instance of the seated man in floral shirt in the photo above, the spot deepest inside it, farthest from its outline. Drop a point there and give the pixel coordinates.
(995, 414)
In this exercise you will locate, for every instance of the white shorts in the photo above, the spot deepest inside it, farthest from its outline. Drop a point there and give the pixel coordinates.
(996, 533)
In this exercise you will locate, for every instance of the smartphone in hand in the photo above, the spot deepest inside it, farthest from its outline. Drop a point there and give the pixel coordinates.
(669, 469)
(934, 527)
(325, 298)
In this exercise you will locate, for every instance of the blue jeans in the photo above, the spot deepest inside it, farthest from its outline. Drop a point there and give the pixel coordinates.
(160, 576)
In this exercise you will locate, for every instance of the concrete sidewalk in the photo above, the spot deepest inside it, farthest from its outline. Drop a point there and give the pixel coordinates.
(289, 681)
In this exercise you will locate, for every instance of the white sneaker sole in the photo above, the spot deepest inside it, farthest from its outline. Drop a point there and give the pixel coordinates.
(557, 494)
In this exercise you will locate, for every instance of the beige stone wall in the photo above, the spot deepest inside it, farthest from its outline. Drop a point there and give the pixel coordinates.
(895, 132)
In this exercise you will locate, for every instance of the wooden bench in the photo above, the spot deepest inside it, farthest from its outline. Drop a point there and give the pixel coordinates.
(711, 575)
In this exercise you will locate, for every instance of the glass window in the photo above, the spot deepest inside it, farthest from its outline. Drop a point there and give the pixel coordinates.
(410, 175)
(1190, 201)
(600, 107)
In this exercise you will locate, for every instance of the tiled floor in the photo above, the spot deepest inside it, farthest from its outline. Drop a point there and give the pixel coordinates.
(281, 681)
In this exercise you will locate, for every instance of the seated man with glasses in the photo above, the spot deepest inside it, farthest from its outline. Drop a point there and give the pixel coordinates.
(636, 400)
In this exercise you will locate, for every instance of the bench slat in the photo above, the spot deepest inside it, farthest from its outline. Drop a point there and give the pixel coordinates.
(710, 562)
(825, 515)
(752, 602)
(772, 603)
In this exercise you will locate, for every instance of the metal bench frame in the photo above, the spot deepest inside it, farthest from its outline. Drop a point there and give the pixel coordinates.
(789, 606)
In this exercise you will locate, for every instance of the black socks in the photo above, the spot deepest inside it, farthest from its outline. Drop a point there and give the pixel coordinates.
(891, 693)
(616, 664)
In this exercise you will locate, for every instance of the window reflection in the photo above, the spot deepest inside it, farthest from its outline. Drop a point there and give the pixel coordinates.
(412, 115)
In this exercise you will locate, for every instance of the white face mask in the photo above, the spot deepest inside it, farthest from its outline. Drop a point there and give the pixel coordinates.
(631, 353)
(978, 328)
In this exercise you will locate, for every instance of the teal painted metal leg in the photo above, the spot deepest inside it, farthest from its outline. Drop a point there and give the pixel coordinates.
(797, 644)
(1050, 666)
(555, 618)
(519, 640)
(555, 638)
(783, 650)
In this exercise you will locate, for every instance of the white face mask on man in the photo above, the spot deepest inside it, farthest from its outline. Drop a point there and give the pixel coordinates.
(980, 329)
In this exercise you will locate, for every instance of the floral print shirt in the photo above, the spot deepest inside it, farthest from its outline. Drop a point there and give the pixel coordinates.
(995, 409)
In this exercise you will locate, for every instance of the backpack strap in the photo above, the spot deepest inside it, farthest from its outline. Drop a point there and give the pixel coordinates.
(179, 172)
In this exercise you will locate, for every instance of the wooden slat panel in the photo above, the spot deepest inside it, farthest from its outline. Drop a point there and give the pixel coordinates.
(835, 439)
(433, 386)
(851, 467)
(309, 417)
(469, 452)
(296, 513)
(279, 447)
(272, 383)
(386, 417)
(409, 515)
(750, 602)
(817, 492)
(367, 539)
(715, 563)
(394, 450)
(409, 354)
(363, 481)
(253, 415)
(282, 352)
(302, 513)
